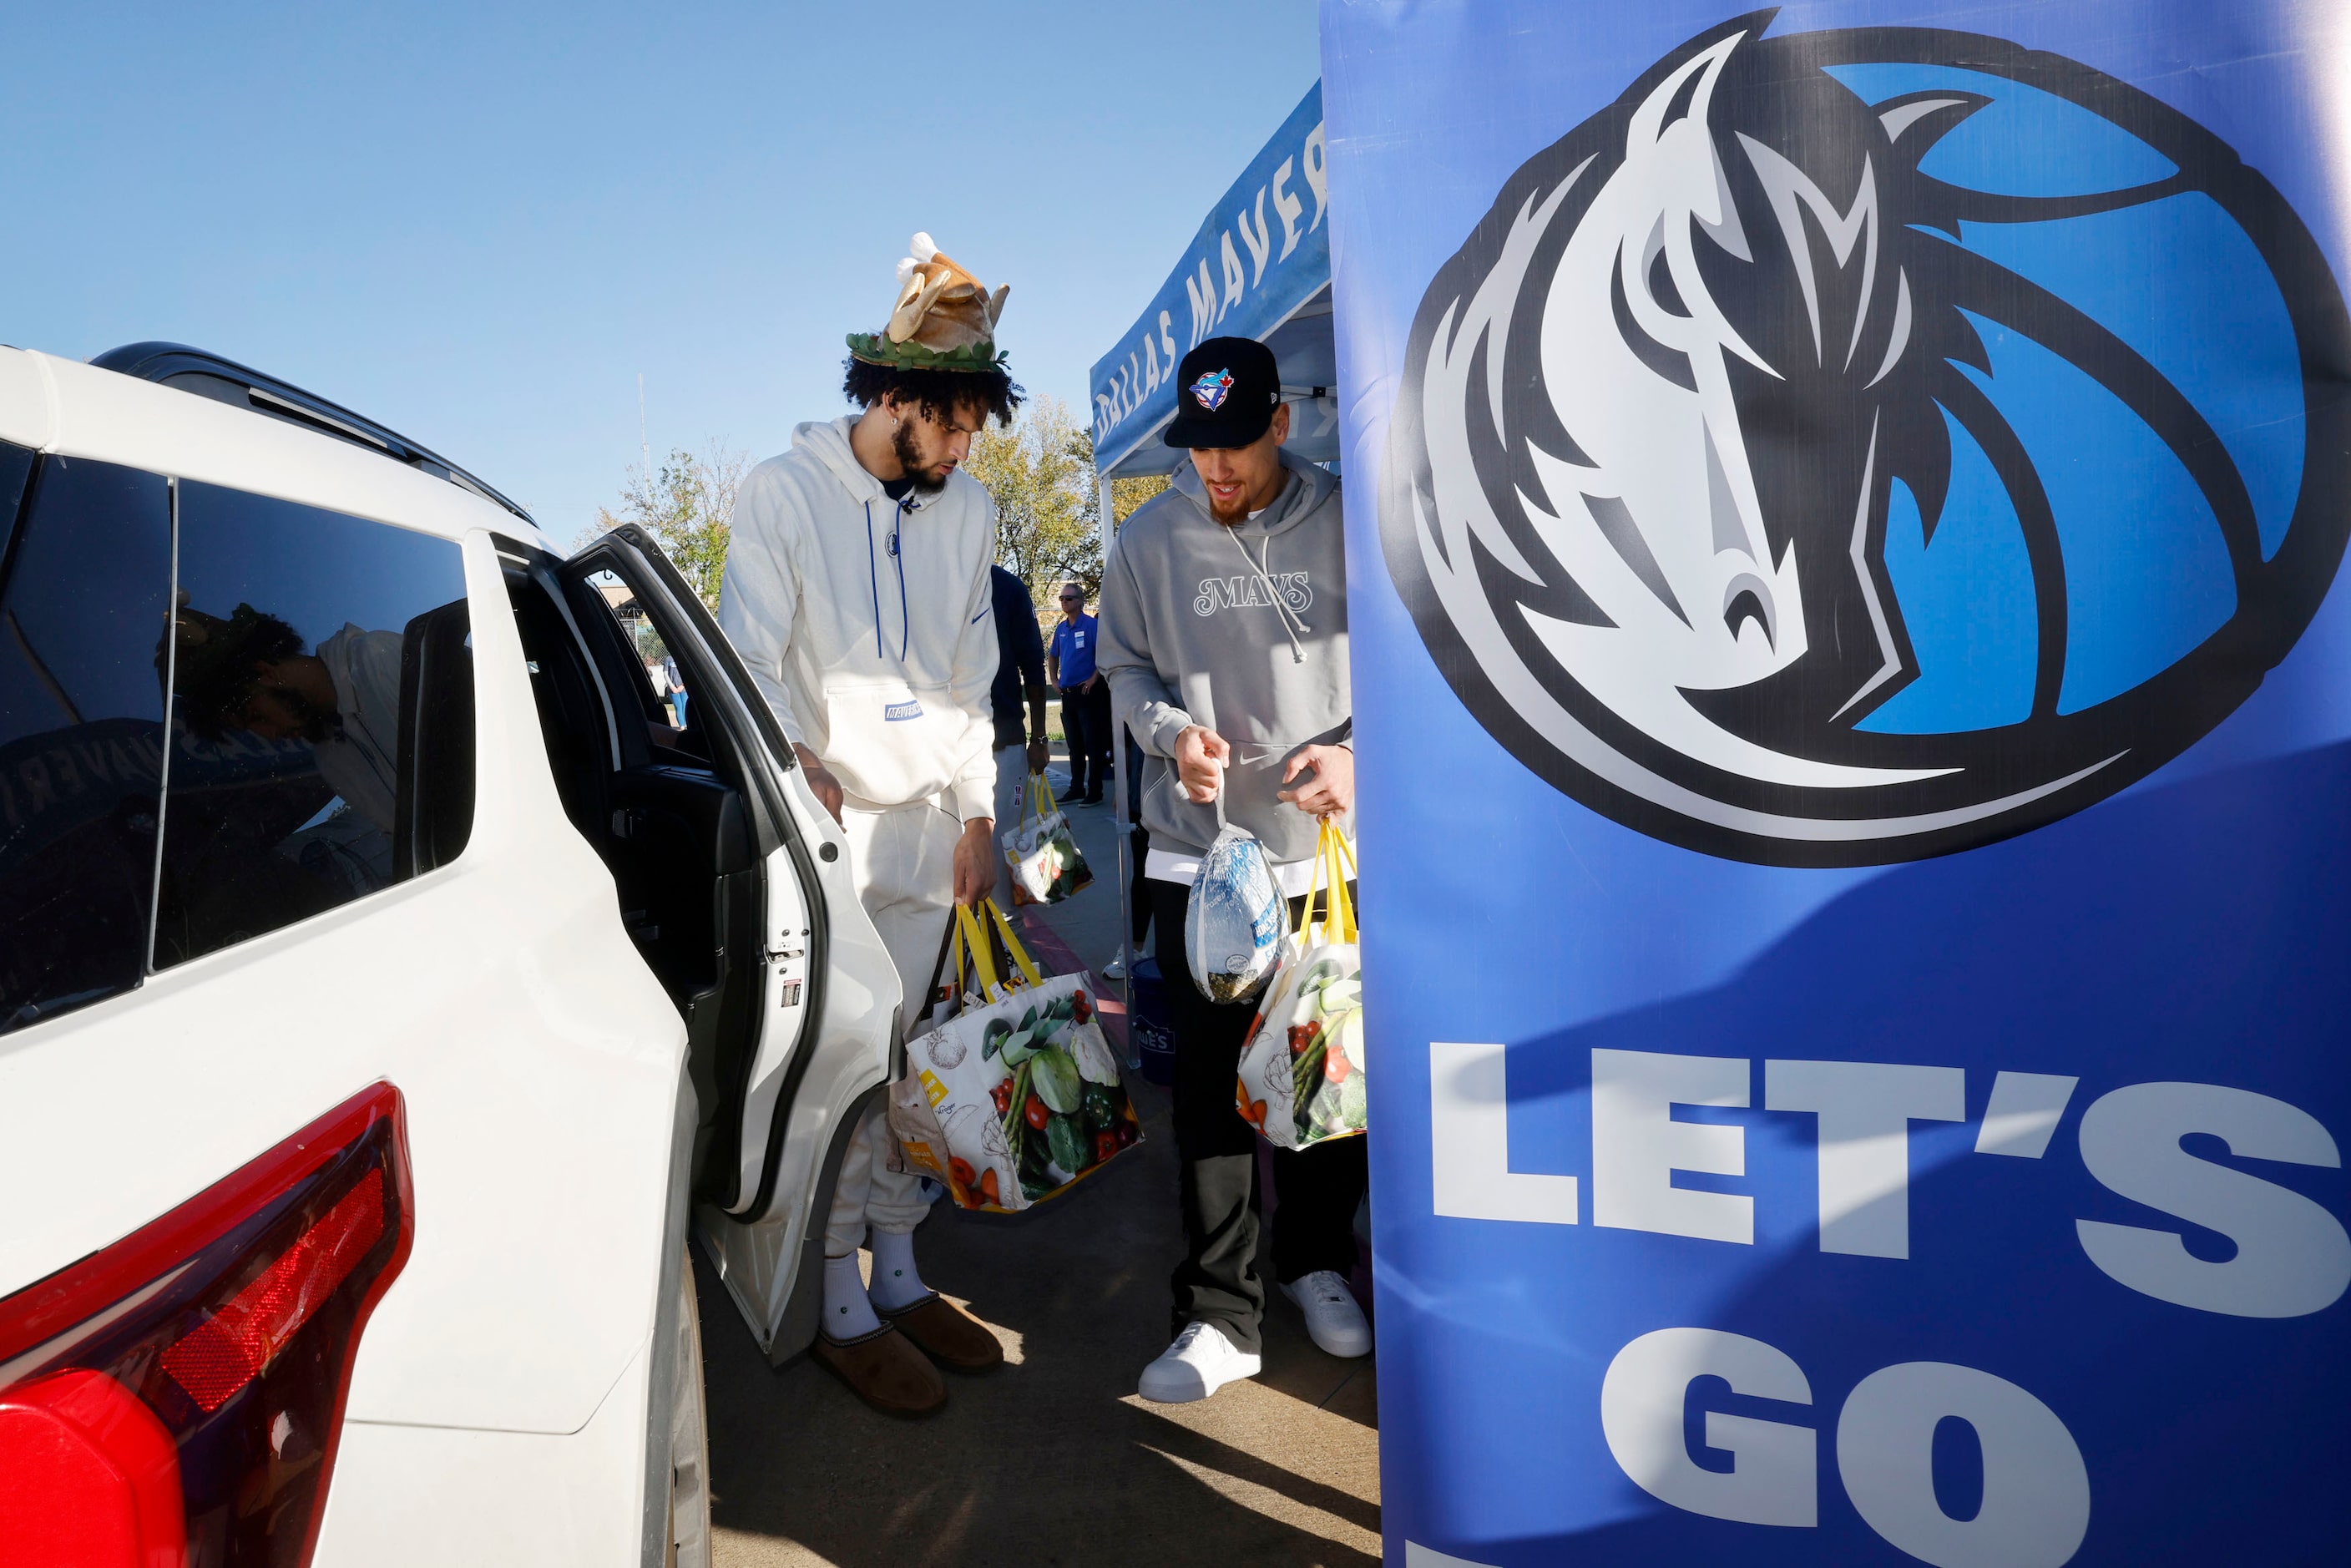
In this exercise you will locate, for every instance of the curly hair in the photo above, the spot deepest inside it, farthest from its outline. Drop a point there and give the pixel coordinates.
(215, 673)
(939, 393)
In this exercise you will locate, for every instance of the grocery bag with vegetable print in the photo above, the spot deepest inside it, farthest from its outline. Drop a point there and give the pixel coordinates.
(1043, 854)
(1301, 1073)
(1018, 1094)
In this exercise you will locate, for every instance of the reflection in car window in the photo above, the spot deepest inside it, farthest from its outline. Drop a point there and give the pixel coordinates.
(81, 711)
(319, 669)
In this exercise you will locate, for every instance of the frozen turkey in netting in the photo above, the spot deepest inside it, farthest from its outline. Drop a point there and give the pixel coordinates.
(1233, 921)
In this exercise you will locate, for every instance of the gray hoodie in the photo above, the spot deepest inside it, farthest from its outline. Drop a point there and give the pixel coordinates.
(1190, 634)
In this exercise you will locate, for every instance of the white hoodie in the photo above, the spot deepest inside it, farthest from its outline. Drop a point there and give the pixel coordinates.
(866, 621)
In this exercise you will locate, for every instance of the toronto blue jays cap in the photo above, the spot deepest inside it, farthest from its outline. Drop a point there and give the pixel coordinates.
(1226, 393)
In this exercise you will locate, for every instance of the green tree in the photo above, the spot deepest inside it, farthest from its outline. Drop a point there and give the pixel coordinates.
(1127, 494)
(1040, 473)
(688, 507)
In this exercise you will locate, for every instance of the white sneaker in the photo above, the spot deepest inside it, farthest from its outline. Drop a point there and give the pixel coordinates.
(1201, 1361)
(1331, 1315)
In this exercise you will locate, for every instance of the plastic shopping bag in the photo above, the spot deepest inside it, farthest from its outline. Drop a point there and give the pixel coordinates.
(1018, 1094)
(1233, 920)
(1046, 865)
(1301, 1073)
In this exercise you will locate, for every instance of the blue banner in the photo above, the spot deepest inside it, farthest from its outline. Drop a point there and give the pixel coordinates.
(1855, 709)
(1261, 254)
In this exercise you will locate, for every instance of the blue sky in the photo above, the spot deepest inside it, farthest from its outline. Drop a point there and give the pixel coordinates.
(480, 227)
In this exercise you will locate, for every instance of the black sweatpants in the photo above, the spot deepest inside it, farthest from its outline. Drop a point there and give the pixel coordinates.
(1086, 726)
(1318, 1188)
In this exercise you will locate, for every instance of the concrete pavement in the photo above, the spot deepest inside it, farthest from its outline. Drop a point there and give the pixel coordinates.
(1051, 1459)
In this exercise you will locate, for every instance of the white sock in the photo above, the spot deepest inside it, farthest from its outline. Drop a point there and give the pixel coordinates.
(895, 1282)
(847, 1313)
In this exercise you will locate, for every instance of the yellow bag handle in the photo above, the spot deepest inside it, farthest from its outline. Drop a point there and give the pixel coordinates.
(1336, 917)
(1040, 792)
(1314, 884)
(1343, 853)
(957, 963)
(1341, 848)
(974, 942)
(1012, 944)
(1332, 861)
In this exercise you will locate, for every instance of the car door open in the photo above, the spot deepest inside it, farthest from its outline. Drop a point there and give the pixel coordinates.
(734, 885)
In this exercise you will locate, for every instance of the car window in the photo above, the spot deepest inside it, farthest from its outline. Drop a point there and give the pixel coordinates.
(87, 571)
(321, 716)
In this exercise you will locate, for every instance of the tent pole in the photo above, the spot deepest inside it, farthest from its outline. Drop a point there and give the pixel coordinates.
(1120, 785)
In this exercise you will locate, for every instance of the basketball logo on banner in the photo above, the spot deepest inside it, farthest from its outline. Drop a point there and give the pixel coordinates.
(1854, 446)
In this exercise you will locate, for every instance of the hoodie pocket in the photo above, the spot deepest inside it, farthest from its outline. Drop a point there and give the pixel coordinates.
(893, 743)
(1287, 832)
(1169, 813)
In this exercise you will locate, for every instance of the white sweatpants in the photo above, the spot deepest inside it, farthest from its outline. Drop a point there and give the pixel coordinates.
(902, 861)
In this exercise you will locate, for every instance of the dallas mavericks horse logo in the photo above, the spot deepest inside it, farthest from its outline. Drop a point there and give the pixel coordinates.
(1853, 446)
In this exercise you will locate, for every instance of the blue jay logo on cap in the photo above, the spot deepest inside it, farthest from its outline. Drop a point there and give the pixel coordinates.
(1211, 390)
(1945, 440)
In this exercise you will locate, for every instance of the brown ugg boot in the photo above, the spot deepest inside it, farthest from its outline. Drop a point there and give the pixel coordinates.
(885, 1370)
(947, 1334)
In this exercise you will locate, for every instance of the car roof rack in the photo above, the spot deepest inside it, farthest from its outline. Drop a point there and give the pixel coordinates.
(241, 386)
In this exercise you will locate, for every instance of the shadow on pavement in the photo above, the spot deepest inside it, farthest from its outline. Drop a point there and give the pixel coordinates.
(1051, 1459)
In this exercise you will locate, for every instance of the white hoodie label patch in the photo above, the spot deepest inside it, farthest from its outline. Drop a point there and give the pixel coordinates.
(895, 713)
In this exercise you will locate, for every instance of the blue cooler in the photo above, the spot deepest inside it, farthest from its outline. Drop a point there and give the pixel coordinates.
(1147, 1021)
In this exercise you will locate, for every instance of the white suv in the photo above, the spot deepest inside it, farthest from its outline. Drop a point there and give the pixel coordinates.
(384, 981)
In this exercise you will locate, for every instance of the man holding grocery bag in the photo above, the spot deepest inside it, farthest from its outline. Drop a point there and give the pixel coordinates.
(1224, 636)
(857, 589)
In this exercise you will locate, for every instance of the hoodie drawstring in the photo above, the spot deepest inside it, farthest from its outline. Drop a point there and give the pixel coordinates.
(897, 531)
(873, 579)
(1293, 623)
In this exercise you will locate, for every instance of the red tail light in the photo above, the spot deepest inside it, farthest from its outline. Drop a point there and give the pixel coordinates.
(174, 1400)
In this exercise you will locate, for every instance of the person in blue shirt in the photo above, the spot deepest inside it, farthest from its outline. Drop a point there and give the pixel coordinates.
(676, 688)
(1019, 672)
(1085, 696)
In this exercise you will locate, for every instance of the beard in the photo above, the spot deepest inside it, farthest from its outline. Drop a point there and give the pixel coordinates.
(928, 480)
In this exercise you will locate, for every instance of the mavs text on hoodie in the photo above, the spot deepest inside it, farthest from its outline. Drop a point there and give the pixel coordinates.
(866, 621)
(1192, 633)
